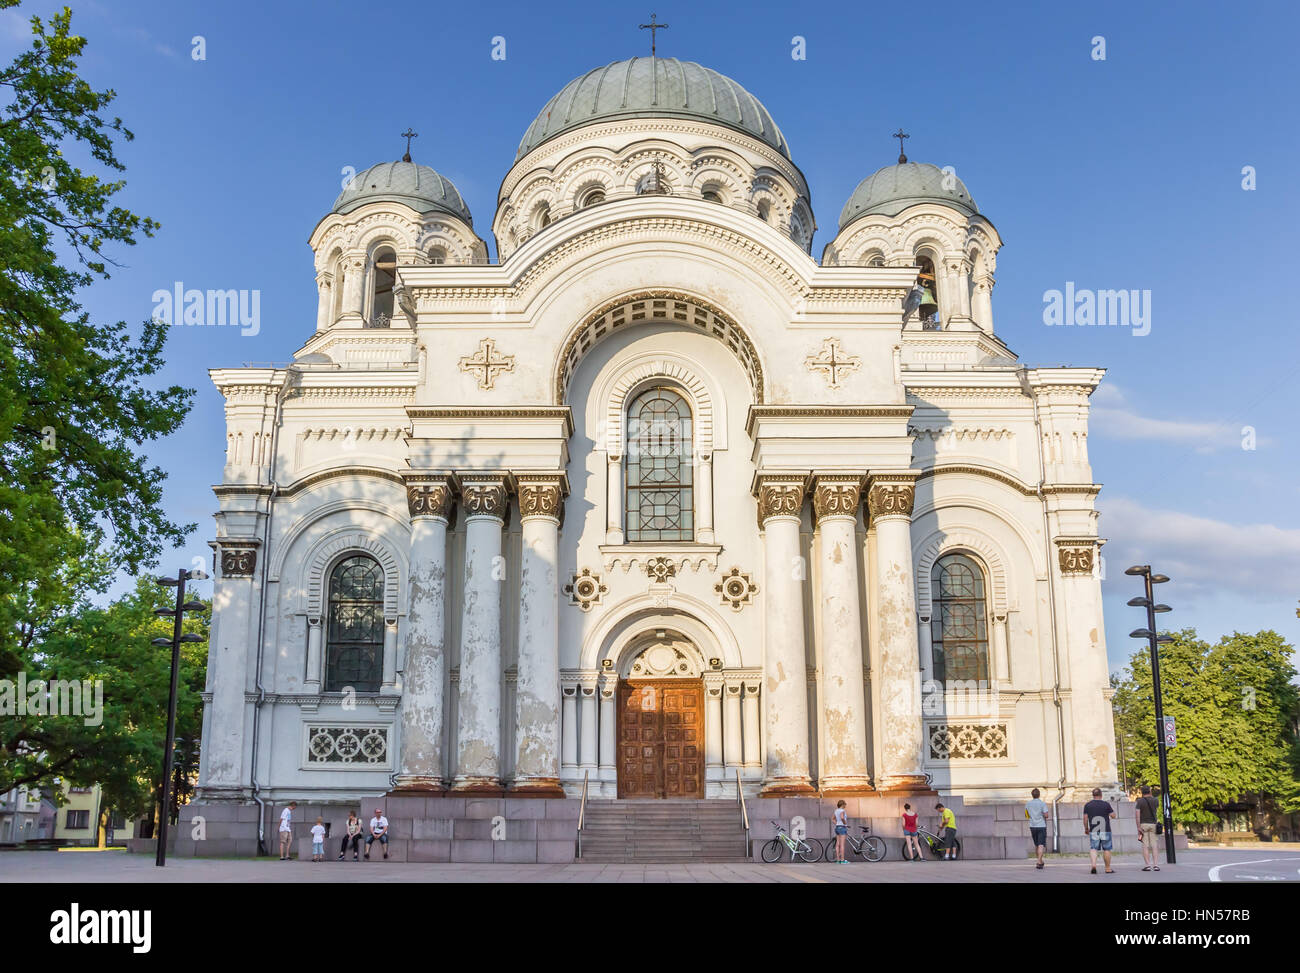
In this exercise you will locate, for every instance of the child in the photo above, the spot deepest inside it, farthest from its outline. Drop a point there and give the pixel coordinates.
(318, 841)
(841, 819)
(911, 841)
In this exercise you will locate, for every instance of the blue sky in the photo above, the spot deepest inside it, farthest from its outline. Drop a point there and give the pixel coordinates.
(1122, 173)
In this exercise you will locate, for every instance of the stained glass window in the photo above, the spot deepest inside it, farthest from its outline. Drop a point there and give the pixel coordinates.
(959, 624)
(355, 634)
(660, 495)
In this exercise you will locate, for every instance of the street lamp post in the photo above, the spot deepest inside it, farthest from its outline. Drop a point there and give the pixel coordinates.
(1153, 639)
(169, 746)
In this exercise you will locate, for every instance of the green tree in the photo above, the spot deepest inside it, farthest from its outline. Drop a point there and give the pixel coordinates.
(123, 753)
(1235, 707)
(74, 409)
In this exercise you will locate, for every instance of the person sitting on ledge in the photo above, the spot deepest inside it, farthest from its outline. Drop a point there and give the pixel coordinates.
(378, 832)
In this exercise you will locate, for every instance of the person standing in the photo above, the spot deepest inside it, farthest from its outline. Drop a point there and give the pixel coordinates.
(286, 831)
(318, 840)
(911, 838)
(948, 825)
(841, 821)
(351, 836)
(1147, 815)
(378, 832)
(1038, 814)
(1096, 825)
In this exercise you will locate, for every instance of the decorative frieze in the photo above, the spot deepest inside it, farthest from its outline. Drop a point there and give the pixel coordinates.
(585, 590)
(969, 741)
(365, 747)
(837, 495)
(736, 588)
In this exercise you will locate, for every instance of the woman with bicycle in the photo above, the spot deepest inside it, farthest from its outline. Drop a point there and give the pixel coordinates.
(841, 821)
(911, 841)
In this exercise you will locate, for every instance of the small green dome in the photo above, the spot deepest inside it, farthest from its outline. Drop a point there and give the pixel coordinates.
(892, 189)
(419, 187)
(653, 87)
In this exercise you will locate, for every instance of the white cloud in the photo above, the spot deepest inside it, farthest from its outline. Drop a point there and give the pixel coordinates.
(1111, 415)
(1259, 562)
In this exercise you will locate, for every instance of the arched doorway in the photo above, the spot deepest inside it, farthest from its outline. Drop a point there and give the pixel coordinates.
(661, 718)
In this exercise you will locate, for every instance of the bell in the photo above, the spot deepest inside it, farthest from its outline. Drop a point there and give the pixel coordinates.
(928, 304)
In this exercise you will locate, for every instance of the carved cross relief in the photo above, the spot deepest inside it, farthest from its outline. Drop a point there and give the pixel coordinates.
(488, 363)
(833, 361)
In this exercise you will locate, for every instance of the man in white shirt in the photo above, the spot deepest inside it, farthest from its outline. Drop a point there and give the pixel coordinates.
(286, 830)
(1038, 813)
(378, 832)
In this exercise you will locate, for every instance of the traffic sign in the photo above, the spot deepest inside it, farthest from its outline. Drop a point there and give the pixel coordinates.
(1170, 733)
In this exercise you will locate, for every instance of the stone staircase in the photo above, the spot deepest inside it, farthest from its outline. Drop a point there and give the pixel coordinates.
(662, 831)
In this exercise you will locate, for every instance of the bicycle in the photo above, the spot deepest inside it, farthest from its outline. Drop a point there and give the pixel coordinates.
(801, 849)
(868, 846)
(934, 843)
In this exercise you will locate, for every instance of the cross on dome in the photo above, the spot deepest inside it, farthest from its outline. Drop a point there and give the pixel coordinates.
(653, 27)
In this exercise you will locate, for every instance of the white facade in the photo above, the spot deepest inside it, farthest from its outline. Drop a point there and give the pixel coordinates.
(476, 451)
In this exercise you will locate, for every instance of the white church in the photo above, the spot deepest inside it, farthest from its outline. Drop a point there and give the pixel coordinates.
(658, 504)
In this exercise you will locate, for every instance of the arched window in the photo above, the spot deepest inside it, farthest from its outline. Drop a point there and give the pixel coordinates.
(592, 197)
(384, 277)
(925, 281)
(660, 495)
(765, 211)
(354, 646)
(437, 256)
(712, 195)
(959, 624)
(541, 216)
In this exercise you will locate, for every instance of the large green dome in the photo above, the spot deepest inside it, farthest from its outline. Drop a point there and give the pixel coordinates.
(653, 87)
(419, 187)
(892, 189)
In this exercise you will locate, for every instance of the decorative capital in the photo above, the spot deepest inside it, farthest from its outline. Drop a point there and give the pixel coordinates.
(891, 497)
(779, 496)
(238, 558)
(541, 495)
(1077, 556)
(837, 495)
(485, 496)
(431, 496)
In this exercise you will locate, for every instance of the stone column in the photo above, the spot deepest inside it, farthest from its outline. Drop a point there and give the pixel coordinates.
(731, 730)
(614, 499)
(353, 281)
(569, 730)
(752, 750)
(608, 688)
(314, 662)
(1080, 630)
(537, 699)
(484, 501)
(232, 601)
(902, 727)
(389, 685)
(780, 503)
(843, 703)
(704, 498)
(588, 756)
(324, 300)
(712, 727)
(430, 502)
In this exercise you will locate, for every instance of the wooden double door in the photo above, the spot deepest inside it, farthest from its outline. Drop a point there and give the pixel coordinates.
(661, 738)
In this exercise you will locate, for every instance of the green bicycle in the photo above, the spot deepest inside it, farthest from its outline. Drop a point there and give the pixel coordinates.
(932, 841)
(801, 849)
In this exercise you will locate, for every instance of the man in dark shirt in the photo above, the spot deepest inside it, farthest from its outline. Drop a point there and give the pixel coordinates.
(1096, 825)
(1146, 822)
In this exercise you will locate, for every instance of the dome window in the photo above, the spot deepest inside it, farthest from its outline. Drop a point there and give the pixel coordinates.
(541, 216)
(712, 195)
(874, 258)
(384, 278)
(592, 197)
(437, 255)
(765, 211)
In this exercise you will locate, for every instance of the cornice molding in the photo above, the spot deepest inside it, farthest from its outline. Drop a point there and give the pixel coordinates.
(295, 488)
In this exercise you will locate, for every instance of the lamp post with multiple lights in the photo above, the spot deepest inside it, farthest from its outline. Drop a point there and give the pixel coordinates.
(169, 747)
(1148, 602)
